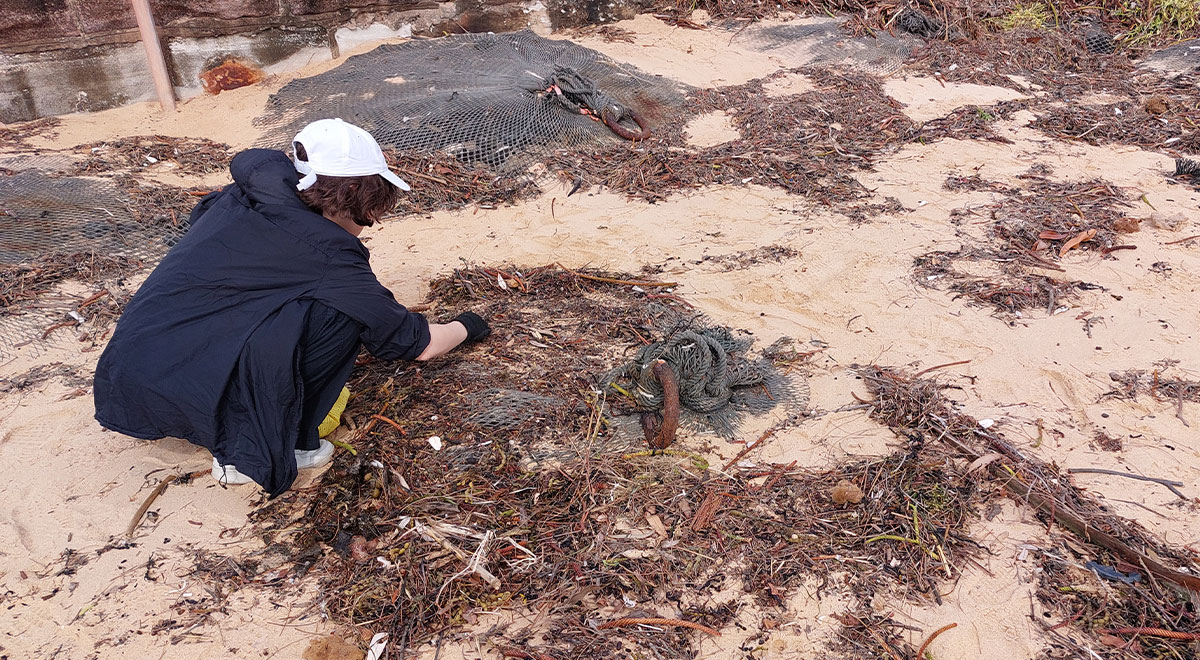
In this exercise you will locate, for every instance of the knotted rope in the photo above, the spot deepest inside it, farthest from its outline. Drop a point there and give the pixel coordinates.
(579, 94)
(704, 371)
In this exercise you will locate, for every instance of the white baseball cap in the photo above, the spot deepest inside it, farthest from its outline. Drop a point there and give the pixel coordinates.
(338, 148)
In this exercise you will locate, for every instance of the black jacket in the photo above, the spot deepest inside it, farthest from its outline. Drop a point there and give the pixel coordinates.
(252, 262)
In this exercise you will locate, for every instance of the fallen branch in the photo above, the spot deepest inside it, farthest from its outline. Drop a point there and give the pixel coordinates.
(733, 461)
(1183, 240)
(619, 623)
(474, 564)
(1052, 506)
(390, 422)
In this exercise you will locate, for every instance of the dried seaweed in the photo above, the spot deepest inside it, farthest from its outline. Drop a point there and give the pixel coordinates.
(442, 182)
(915, 406)
(1156, 383)
(189, 156)
(747, 258)
(565, 519)
(1030, 229)
(24, 283)
(16, 137)
(807, 144)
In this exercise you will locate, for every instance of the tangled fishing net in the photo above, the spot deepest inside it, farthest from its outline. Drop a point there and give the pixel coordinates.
(718, 381)
(55, 228)
(487, 100)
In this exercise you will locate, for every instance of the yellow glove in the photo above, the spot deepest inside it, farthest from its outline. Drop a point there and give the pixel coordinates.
(334, 418)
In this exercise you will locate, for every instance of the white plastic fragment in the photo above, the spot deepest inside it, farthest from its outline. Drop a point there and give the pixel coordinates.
(151, 159)
(376, 464)
(377, 646)
(500, 282)
(435, 442)
(987, 423)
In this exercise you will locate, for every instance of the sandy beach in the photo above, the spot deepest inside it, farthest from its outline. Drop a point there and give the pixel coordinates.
(73, 586)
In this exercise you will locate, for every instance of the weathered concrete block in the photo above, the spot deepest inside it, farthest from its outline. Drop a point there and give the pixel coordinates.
(272, 50)
(39, 84)
(36, 20)
(47, 71)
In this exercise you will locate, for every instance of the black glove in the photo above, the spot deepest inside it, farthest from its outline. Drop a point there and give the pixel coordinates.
(477, 328)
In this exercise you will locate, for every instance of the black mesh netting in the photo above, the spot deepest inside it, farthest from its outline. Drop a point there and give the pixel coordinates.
(42, 214)
(54, 229)
(480, 98)
(1099, 42)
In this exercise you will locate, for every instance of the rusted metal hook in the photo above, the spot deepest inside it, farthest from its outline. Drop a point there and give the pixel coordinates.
(661, 433)
(614, 124)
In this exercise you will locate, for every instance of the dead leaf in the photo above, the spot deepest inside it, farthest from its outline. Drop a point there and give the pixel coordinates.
(1085, 235)
(1051, 235)
(983, 461)
(845, 491)
(1111, 640)
(657, 525)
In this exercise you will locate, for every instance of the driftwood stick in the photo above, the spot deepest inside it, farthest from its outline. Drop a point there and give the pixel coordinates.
(158, 490)
(1164, 482)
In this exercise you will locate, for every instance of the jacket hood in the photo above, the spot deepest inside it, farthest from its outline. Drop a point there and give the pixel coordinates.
(267, 177)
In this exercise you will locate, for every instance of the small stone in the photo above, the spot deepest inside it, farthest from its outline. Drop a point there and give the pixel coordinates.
(1127, 225)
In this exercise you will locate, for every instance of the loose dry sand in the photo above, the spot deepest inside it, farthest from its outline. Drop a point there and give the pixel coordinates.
(70, 485)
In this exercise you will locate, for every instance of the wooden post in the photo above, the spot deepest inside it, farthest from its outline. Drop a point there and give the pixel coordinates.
(154, 54)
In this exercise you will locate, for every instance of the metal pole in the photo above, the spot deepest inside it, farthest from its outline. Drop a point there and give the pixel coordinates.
(154, 54)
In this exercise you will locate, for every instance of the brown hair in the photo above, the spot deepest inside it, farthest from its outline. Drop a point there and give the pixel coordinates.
(363, 198)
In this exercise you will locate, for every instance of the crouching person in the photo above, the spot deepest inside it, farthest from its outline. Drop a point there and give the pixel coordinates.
(243, 337)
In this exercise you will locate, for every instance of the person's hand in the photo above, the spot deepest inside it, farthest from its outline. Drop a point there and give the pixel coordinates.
(477, 328)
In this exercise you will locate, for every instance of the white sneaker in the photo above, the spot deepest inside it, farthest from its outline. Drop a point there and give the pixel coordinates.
(314, 458)
(228, 475)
